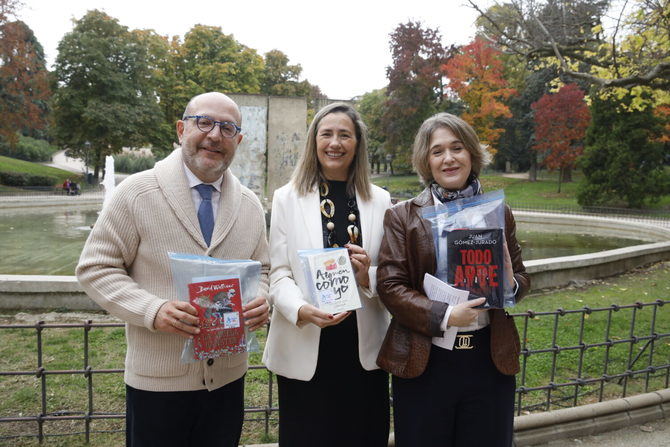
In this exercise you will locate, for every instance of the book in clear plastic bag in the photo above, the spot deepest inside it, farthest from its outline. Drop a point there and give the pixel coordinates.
(218, 289)
(330, 276)
(469, 236)
(218, 301)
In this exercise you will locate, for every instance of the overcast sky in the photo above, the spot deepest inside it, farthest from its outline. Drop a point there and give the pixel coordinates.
(342, 46)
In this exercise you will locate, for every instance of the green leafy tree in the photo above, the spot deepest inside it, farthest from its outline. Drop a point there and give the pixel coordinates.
(24, 84)
(415, 88)
(210, 60)
(623, 159)
(371, 108)
(168, 87)
(104, 99)
(517, 141)
(280, 78)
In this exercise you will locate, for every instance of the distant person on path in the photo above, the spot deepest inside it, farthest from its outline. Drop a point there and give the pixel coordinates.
(463, 396)
(331, 391)
(125, 269)
(66, 186)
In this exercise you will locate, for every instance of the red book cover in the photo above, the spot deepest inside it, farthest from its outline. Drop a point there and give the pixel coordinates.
(219, 305)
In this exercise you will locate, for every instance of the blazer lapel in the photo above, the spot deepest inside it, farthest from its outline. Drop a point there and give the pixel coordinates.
(172, 182)
(308, 206)
(365, 208)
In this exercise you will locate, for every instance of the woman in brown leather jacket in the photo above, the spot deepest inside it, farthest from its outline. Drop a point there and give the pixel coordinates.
(441, 397)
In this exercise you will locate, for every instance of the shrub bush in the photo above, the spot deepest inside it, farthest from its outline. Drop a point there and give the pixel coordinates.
(29, 149)
(131, 163)
(25, 179)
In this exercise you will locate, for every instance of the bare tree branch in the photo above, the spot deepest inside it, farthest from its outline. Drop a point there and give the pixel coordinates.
(655, 77)
(616, 31)
(540, 29)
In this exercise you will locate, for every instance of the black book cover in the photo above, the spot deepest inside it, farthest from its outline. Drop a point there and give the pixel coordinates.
(475, 263)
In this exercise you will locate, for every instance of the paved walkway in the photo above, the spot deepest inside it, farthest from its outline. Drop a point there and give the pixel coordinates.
(61, 161)
(651, 434)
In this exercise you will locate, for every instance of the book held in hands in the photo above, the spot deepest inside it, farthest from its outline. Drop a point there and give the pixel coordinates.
(219, 305)
(475, 263)
(331, 279)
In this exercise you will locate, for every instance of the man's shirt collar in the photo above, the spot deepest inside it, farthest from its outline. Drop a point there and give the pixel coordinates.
(194, 181)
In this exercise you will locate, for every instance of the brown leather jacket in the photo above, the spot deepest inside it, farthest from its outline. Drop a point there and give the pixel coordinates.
(406, 254)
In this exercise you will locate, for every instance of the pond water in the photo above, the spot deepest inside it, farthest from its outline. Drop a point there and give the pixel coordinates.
(49, 241)
(540, 245)
(43, 242)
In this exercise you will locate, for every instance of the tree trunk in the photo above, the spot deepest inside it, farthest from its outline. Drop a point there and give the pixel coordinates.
(532, 174)
(566, 174)
(560, 176)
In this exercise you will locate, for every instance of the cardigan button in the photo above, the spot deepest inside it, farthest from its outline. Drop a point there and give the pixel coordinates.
(210, 362)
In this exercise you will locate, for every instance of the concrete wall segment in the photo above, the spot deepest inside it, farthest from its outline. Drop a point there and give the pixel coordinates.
(590, 419)
(287, 134)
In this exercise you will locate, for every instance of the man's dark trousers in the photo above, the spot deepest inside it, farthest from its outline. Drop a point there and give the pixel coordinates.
(185, 418)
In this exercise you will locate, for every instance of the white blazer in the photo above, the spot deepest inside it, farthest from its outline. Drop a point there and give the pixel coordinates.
(291, 350)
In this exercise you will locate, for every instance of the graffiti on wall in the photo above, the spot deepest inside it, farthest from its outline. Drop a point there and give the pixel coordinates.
(249, 162)
(283, 157)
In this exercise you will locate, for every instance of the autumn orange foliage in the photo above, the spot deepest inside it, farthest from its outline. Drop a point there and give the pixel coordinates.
(23, 81)
(476, 75)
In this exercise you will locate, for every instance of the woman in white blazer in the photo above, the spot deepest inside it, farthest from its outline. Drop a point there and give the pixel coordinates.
(331, 391)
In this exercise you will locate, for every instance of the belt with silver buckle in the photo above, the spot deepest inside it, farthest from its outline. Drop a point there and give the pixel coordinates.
(464, 341)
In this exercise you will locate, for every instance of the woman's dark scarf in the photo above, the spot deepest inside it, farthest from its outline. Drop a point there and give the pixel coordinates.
(473, 188)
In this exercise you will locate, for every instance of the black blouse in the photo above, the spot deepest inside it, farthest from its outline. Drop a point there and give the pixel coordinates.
(344, 205)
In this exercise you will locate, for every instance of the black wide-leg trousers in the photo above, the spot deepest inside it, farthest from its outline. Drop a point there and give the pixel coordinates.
(460, 400)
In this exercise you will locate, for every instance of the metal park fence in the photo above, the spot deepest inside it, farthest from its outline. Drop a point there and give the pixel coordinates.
(568, 358)
(578, 356)
(647, 216)
(49, 192)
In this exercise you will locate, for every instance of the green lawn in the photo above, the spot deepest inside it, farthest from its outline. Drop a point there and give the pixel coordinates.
(516, 190)
(643, 285)
(8, 164)
(542, 193)
(68, 394)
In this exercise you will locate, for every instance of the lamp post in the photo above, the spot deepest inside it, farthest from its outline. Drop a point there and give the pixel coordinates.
(87, 151)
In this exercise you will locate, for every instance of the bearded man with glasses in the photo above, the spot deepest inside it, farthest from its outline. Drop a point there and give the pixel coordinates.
(188, 203)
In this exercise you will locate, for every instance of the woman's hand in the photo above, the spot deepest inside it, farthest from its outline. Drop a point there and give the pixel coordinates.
(361, 263)
(464, 314)
(310, 314)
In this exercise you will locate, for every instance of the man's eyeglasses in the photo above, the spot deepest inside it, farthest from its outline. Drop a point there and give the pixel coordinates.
(206, 124)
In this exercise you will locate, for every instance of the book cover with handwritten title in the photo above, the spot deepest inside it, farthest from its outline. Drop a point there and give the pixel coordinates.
(219, 306)
(332, 280)
(475, 263)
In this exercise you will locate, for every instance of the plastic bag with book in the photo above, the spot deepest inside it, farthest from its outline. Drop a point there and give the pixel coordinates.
(218, 289)
(330, 276)
(469, 236)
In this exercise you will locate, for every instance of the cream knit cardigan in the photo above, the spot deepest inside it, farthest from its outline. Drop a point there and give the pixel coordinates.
(124, 267)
